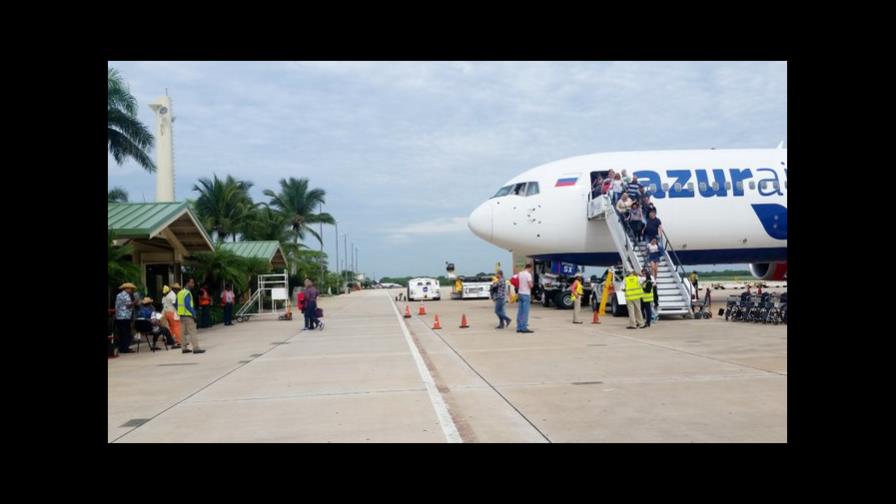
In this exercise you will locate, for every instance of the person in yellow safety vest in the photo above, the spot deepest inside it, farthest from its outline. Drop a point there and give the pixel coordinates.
(633, 294)
(187, 313)
(647, 298)
(577, 291)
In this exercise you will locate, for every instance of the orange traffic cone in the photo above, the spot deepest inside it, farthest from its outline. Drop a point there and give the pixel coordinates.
(422, 310)
(407, 311)
(463, 321)
(595, 319)
(436, 324)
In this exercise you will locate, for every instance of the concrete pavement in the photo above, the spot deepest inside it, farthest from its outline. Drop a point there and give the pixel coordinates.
(358, 381)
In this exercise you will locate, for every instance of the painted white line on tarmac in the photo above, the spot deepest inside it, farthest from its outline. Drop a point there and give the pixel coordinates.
(435, 397)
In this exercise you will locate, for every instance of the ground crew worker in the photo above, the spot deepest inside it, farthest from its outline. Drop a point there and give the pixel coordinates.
(187, 313)
(576, 290)
(694, 278)
(205, 305)
(633, 294)
(647, 298)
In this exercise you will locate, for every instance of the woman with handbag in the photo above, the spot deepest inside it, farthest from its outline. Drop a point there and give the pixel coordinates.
(311, 321)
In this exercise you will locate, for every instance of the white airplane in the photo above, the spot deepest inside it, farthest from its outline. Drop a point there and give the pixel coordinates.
(716, 207)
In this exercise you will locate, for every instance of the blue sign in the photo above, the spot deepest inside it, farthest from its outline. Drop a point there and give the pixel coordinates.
(568, 268)
(713, 183)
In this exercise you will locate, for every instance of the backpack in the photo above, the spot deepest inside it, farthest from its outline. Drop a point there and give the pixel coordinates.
(515, 281)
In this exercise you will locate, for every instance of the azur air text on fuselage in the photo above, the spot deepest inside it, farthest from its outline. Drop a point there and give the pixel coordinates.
(766, 186)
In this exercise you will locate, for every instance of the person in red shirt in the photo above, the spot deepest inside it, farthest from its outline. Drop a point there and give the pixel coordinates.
(300, 302)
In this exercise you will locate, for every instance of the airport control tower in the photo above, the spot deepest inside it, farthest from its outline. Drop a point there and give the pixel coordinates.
(164, 149)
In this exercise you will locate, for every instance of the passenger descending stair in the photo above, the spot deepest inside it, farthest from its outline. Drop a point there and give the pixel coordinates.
(673, 295)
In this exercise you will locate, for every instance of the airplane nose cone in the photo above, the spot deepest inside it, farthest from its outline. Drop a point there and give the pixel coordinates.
(480, 221)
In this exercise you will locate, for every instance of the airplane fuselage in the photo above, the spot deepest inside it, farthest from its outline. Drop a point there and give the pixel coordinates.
(716, 206)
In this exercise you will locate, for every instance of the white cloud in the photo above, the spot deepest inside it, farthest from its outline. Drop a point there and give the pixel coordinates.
(434, 226)
(398, 146)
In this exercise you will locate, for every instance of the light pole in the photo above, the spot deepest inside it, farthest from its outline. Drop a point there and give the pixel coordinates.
(337, 248)
(320, 210)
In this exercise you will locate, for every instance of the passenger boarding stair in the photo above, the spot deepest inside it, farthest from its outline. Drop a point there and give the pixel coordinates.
(673, 293)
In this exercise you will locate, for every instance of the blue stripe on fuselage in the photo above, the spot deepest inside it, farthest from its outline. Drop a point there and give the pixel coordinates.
(718, 256)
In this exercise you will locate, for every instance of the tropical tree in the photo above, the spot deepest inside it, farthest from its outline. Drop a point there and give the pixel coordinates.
(297, 204)
(215, 267)
(128, 137)
(223, 206)
(118, 195)
(263, 223)
(121, 268)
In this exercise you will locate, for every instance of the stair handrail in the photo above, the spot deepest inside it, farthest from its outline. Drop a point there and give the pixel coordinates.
(617, 232)
(667, 247)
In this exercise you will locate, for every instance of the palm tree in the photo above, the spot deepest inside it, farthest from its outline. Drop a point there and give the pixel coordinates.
(128, 137)
(263, 223)
(121, 268)
(118, 195)
(297, 204)
(223, 205)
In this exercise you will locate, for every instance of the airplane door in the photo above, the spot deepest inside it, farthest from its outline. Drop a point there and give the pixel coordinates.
(594, 176)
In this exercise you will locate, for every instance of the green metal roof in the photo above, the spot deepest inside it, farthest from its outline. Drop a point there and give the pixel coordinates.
(146, 220)
(260, 249)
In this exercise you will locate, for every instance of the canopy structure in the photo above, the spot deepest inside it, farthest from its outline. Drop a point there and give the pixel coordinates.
(267, 250)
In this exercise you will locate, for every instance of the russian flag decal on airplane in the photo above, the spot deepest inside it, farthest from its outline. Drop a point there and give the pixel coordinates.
(569, 181)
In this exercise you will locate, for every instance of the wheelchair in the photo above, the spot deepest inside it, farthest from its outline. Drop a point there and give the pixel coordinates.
(731, 307)
(766, 303)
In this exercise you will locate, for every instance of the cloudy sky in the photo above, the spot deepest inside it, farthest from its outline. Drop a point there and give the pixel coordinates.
(406, 150)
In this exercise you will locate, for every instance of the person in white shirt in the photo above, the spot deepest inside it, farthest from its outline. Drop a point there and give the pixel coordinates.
(169, 311)
(227, 298)
(525, 295)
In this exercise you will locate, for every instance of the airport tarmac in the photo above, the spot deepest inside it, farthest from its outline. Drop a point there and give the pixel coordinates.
(373, 376)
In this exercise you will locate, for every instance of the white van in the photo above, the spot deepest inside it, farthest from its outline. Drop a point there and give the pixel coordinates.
(424, 288)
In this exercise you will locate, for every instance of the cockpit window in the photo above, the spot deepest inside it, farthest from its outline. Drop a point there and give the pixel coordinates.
(504, 191)
(519, 189)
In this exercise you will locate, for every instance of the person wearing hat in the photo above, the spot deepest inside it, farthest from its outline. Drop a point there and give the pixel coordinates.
(148, 313)
(124, 310)
(187, 313)
(577, 291)
(169, 311)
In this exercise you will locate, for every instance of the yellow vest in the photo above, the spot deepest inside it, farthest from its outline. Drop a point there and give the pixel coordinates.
(647, 297)
(182, 303)
(577, 290)
(633, 289)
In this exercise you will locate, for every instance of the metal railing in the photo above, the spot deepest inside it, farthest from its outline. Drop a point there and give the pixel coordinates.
(624, 245)
(678, 269)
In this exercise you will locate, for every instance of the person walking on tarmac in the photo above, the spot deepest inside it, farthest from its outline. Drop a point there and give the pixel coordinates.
(577, 291)
(647, 298)
(633, 294)
(525, 296)
(501, 301)
(187, 312)
(205, 305)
